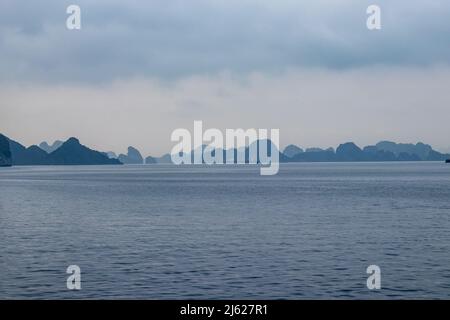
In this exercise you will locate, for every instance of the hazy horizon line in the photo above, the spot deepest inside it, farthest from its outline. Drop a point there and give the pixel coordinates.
(282, 146)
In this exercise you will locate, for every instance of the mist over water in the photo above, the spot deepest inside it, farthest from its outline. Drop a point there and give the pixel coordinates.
(219, 232)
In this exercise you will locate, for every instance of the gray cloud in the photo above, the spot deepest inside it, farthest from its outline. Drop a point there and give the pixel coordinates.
(173, 39)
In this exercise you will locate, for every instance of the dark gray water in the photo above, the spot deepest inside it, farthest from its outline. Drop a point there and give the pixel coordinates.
(226, 232)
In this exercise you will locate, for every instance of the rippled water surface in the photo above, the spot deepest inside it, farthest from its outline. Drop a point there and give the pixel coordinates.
(226, 232)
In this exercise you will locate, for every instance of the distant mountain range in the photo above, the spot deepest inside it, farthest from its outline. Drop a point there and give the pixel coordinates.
(382, 151)
(71, 152)
(347, 152)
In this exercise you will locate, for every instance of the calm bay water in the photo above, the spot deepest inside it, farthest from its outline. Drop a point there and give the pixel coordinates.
(165, 232)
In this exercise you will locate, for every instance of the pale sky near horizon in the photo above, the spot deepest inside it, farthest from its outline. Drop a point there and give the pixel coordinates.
(138, 70)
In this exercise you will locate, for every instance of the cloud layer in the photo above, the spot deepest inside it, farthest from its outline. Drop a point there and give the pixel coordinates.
(177, 38)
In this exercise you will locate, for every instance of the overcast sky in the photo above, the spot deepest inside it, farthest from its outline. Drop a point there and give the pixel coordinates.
(137, 70)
